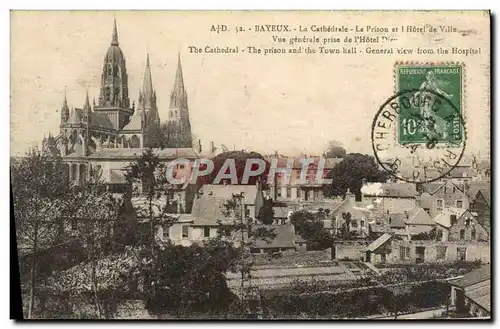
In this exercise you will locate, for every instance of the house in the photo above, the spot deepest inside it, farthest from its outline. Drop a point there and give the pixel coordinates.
(471, 294)
(351, 216)
(285, 240)
(393, 223)
(281, 215)
(418, 221)
(403, 252)
(434, 197)
(479, 194)
(253, 197)
(468, 228)
(390, 197)
(444, 221)
(293, 187)
(377, 251)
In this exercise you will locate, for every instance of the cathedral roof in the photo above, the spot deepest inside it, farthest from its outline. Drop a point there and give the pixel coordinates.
(134, 124)
(134, 153)
(178, 97)
(101, 120)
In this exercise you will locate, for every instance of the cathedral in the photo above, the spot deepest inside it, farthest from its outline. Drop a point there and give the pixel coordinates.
(111, 133)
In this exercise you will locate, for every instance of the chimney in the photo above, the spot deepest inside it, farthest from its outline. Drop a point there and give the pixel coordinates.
(350, 196)
(199, 146)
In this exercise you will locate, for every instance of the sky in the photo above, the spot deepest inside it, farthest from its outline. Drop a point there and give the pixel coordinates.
(287, 103)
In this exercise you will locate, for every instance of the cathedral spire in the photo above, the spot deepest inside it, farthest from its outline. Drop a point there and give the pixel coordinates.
(147, 86)
(64, 109)
(87, 107)
(178, 97)
(114, 38)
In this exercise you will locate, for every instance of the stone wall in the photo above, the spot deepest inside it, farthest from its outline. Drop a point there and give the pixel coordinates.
(350, 249)
(299, 257)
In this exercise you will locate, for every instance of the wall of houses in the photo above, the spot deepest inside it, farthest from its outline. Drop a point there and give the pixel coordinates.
(351, 250)
(471, 250)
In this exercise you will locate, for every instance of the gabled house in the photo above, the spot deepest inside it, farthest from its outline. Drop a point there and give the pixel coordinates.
(253, 196)
(445, 220)
(418, 221)
(434, 197)
(393, 223)
(390, 197)
(471, 294)
(468, 228)
(351, 216)
(479, 194)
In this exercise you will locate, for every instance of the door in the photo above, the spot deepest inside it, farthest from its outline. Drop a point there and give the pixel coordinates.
(383, 258)
(368, 257)
(420, 253)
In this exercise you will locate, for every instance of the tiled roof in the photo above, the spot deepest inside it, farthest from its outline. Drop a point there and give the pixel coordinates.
(207, 210)
(418, 216)
(285, 237)
(481, 274)
(444, 217)
(134, 124)
(226, 191)
(397, 220)
(379, 242)
(134, 153)
(481, 296)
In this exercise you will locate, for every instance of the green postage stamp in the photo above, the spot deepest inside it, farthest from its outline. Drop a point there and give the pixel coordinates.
(435, 113)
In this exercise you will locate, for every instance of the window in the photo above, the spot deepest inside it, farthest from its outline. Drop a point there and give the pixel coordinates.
(362, 223)
(473, 234)
(462, 253)
(288, 192)
(354, 223)
(441, 252)
(206, 232)
(462, 234)
(454, 189)
(453, 219)
(439, 204)
(278, 191)
(460, 204)
(166, 232)
(298, 193)
(404, 253)
(185, 232)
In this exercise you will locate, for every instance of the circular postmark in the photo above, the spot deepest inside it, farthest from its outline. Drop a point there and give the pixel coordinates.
(418, 135)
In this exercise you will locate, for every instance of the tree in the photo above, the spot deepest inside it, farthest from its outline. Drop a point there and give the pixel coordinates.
(240, 158)
(38, 186)
(266, 215)
(335, 149)
(311, 229)
(350, 173)
(152, 192)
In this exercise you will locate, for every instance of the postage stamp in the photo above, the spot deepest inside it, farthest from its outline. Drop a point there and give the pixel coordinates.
(429, 117)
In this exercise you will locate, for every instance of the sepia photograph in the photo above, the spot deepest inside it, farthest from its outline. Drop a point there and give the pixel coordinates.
(257, 165)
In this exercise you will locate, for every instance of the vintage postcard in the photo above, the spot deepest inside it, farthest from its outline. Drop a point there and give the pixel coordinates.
(251, 164)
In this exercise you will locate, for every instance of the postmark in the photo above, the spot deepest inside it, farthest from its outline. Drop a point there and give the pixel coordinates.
(436, 82)
(418, 161)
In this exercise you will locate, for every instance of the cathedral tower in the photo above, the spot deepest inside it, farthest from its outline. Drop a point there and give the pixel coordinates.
(113, 98)
(178, 114)
(147, 98)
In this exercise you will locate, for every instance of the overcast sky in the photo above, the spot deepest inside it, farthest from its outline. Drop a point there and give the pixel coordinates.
(290, 103)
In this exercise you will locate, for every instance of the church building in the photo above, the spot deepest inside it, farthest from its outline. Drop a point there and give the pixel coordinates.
(111, 133)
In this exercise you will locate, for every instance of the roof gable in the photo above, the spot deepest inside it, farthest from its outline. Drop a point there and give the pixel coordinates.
(418, 216)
